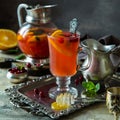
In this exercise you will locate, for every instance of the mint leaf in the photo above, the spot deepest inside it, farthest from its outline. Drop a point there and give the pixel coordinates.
(91, 88)
(88, 85)
(97, 86)
(90, 93)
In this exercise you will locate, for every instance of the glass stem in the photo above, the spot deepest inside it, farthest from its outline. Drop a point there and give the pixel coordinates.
(63, 83)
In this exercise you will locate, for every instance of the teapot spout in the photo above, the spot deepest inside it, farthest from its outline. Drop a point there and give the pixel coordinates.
(109, 48)
(96, 45)
(115, 56)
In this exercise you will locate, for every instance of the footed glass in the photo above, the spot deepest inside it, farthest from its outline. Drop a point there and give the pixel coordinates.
(63, 48)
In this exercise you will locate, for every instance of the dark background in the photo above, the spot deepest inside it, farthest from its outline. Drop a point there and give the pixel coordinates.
(96, 17)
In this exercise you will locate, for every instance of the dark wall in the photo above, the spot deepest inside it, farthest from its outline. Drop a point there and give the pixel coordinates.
(96, 17)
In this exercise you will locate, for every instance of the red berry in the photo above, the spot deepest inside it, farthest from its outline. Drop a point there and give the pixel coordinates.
(81, 78)
(36, 91)
(77, 81)
(41, 94)
(11, 70)
(73, 39)
(61, 40)
(28, 65)
(37, 65)
(17, 70)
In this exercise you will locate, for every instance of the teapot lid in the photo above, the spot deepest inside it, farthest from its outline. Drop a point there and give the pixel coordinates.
(39, 13)
(38, 6)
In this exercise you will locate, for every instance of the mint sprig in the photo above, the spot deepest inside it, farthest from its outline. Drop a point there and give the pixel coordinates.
(91, 88)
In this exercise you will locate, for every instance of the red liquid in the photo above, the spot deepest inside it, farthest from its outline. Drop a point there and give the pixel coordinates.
(63, 54)
(34, 42)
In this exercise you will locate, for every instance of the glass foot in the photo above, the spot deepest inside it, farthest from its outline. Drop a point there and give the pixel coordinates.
(53, 92)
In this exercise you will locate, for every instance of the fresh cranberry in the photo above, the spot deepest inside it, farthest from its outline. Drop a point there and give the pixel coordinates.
(17, 70)
(13, 70)
(81, 78)
(73, 39)
(61, 40)
(77, 82)
(28, 65)
(41, 94)
(36, 91)
(37, 65)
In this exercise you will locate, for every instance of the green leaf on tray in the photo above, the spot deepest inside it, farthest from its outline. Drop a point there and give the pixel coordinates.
(97, 87)
(88, 85)
(91, 88)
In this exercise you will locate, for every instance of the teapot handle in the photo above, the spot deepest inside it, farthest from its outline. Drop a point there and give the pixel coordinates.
(87, 61)
(19, 14)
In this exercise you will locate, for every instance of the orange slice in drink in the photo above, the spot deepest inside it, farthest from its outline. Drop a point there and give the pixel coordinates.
(37, 38)
(59, 47)
(8, 39)
(57, 33)
(19, 37)
(58, 41)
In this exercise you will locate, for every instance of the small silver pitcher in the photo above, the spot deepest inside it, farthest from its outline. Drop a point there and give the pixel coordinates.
(97, 64)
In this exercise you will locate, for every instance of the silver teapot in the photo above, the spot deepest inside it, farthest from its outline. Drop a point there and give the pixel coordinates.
(36, 26)
(98, 63)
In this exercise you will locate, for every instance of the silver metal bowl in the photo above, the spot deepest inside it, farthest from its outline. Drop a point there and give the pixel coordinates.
(17, 78)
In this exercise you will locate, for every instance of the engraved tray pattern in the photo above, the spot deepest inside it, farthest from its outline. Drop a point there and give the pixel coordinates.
(22, 96)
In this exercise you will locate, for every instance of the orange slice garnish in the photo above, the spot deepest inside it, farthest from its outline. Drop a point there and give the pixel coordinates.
(8, 39)
(59, 47)
(37, 38)
(57, 32)
(19, 37)
(59, 42)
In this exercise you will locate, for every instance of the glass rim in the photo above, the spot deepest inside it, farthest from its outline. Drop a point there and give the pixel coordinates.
(78, 33)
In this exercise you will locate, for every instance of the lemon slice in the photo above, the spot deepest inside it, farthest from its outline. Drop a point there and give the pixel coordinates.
(8, 39)
(56, 106)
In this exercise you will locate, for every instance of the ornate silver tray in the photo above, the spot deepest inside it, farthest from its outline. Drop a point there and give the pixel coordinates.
(22, 95)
